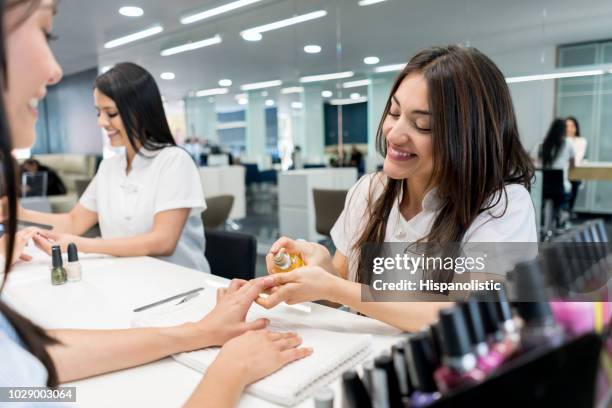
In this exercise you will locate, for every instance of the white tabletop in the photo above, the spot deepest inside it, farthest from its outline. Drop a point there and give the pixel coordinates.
(111, 288)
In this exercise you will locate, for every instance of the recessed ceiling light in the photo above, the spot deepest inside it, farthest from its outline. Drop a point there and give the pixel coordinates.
(312, 49)
(251, 36)
(134, 37)
(243, 101)
(327, 94)
(190, 46)
(225, 82)
(269, 102)
(130, 11)
(216, 11)
(296, 105)
(167, 76)
(371, 60)
(355, 95)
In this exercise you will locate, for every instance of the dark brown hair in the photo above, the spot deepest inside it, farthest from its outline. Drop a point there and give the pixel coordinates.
(476, 147)
(34, 337)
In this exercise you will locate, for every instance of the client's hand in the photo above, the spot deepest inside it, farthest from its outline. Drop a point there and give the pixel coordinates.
(257, 354)
(21, 242)
(45, 240)
(227, 319)
(312, 253)
(305, 284)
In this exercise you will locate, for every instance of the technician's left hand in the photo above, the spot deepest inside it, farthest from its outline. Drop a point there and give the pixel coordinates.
(46, 239)
(305, 284)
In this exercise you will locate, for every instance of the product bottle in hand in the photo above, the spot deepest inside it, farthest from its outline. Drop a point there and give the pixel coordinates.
(284, 262)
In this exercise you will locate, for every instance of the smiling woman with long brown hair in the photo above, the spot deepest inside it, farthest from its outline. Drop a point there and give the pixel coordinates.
(454, 171)
(32, 356)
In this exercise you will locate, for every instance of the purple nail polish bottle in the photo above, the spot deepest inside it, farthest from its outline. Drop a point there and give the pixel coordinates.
(487, 360)
(493, 329)
(458, 361)
(422, 362)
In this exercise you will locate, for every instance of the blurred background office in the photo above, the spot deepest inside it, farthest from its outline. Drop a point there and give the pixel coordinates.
(279, 101)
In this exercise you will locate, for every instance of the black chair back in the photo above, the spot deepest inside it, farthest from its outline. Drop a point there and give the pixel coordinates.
(552, 186)
(231, 255)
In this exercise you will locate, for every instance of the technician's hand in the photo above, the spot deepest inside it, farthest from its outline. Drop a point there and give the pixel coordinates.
(313, 254)
(227, 319)
(305, 284)
(45, 239)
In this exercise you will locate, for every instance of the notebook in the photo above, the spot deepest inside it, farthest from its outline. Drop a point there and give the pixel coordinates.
(333, 352)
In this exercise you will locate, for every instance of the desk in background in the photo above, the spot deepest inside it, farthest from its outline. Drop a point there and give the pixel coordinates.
(111, 288)
(296, 205)
(592, 171)
(219, 180)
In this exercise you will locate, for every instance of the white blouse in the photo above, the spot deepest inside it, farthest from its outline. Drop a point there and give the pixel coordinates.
(161, 180)
(516, 224)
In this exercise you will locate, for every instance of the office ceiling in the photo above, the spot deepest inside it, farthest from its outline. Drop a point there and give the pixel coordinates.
(391, 30)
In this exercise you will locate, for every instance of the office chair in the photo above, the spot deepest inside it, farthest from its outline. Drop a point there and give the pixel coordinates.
(553, 198)
(328, 205)
(231, 255)
(217, 211)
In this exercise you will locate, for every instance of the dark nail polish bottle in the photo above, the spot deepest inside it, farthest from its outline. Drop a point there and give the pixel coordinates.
(422, 362)
(458, 361)
(387, 387)
(539, 328)
(355, 393)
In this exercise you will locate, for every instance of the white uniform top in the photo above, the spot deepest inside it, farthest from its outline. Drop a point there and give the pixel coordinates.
(164, 180)
(517, 224)
(579, 143)
(561, 162)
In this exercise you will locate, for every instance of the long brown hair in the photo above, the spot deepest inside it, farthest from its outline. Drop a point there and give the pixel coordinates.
(476, 147)
(33, 336)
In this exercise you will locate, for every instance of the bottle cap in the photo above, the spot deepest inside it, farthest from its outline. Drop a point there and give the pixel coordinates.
(354, 390)
(456, 339)
(281, 259)
(436, 338)
(489, 313)
(422, 362)
(473, 319)
(385, 364)
(56, 256)
(73, 254)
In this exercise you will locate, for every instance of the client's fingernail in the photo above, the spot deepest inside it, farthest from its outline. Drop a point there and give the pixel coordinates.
(269, 280)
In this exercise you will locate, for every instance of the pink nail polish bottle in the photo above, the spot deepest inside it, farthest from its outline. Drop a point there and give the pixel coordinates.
(458, 361)
(487, 360)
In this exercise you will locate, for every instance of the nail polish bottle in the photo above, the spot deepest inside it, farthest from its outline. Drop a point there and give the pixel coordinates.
(73, 267)
(493, 329)
(387, 389)
(398, 353)
(458, 361)
(368, 377)
(284, 262)
(509, 328)
(354, 392)
(422, 362)
(487, 360)
(539, 326)
(324, 398)
(58, 273)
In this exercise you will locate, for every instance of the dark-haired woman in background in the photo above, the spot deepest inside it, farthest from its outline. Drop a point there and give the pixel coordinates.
(556, 152)
(454, 171)
(148, 200)
(32, 356)
(579, 143)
